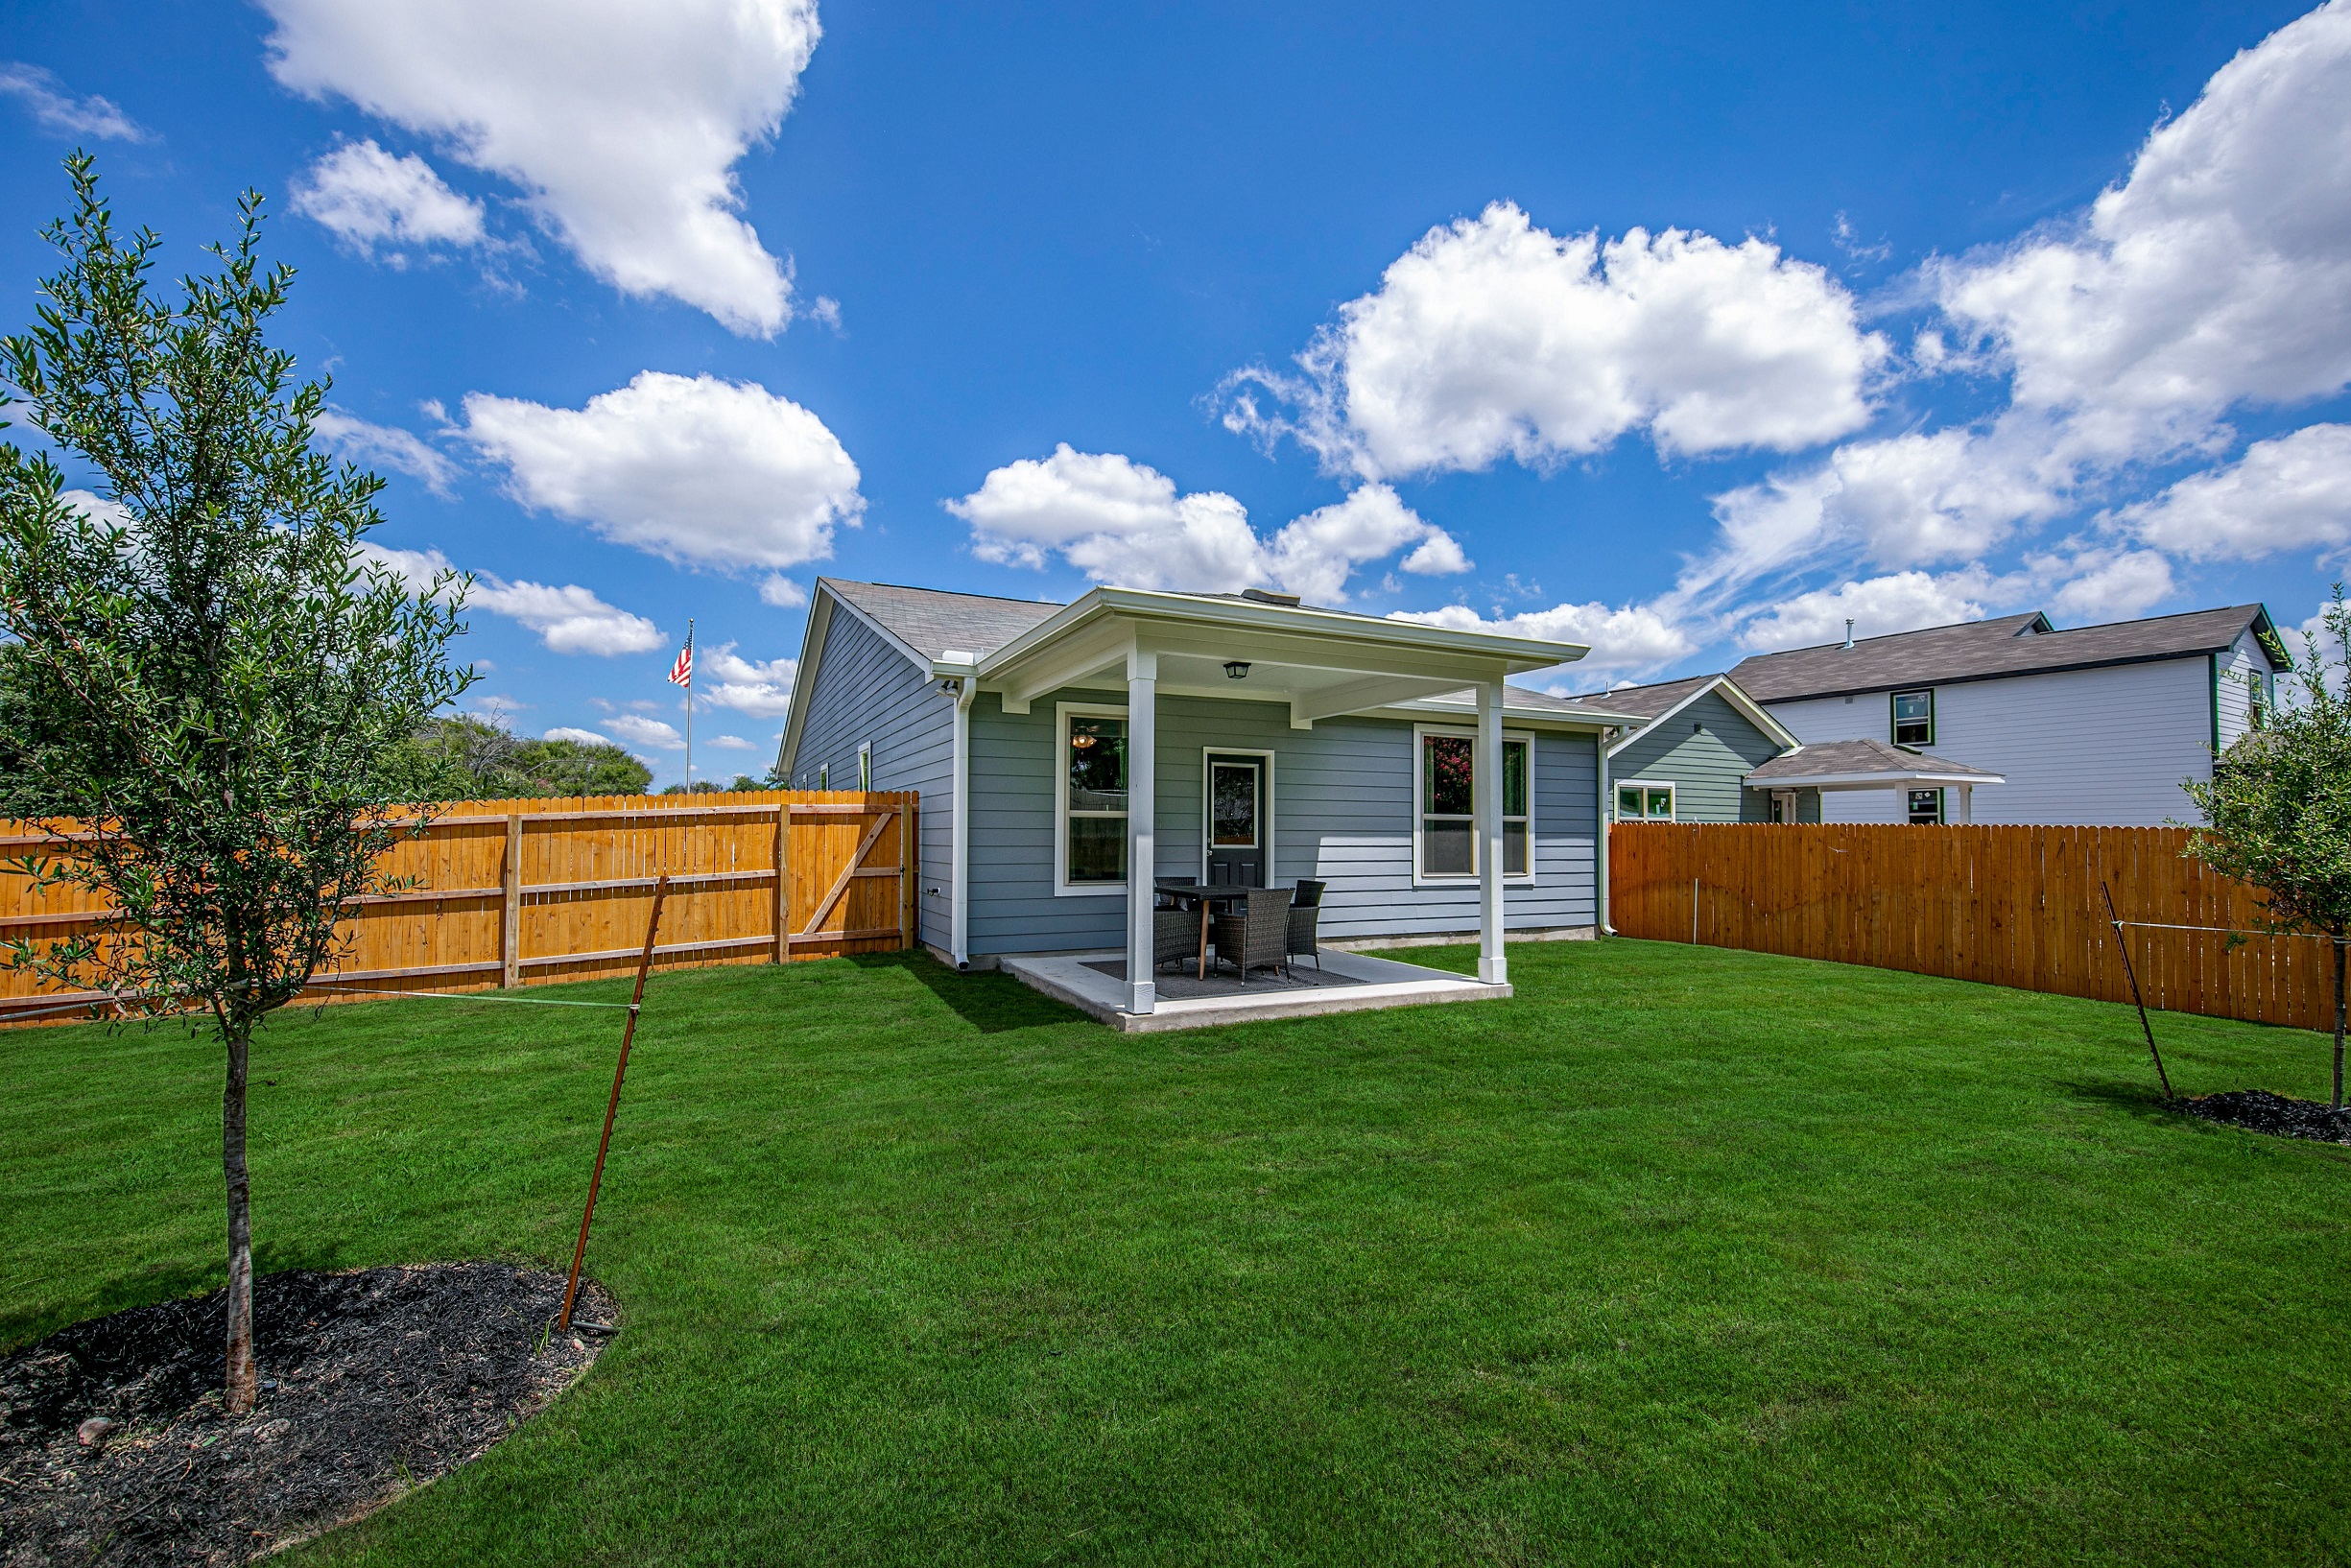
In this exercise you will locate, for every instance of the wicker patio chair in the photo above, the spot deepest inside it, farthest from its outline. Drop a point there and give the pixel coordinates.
(1175, 933)
(1304, 907)
(1256, 936)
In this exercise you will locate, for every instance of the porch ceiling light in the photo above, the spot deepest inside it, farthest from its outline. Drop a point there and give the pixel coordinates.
(1081, 741)
(1237, 669)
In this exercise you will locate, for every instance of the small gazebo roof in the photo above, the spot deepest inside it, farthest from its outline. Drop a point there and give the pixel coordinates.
(1865, 765)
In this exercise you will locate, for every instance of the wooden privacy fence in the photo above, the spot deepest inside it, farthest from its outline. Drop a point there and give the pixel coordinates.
(520, 893)
(2009, 906)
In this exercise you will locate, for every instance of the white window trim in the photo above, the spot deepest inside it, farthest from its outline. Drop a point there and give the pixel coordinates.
(1894, 714)
(1264, 803)
(1673, 807)
(1062, 714)
(865, 765)
(1421, 786)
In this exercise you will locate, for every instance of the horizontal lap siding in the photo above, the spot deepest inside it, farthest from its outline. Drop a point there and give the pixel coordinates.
(2094, 747)
(866, 691)
(1343, 795)
(1705, 767)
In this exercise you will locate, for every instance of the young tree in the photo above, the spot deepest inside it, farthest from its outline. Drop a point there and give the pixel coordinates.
(2278, 808)
(206, 682)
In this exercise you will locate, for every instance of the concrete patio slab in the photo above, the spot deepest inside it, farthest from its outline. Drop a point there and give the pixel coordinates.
(1095, 983)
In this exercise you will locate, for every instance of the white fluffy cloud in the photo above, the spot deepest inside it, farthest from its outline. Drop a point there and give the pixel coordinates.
(584, 737)
(698, 471)
(2219, 272)
(731, 743)
(569, 619)
(1492, 338)
(782, 592)
(2112, 585)
(60, 112)
(621, 124)
(638, 730)
(1120, 521)
(2289, 493)
(370, 200)
(93, 505)
(1622, 638)
(385, 446)
(759, 688)
(1877, 607)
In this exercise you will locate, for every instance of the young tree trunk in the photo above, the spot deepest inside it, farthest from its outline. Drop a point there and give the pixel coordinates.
(242, 1384)
(2338, 1021)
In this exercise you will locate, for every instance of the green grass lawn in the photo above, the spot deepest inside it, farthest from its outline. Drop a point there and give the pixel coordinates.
(1682, 1255)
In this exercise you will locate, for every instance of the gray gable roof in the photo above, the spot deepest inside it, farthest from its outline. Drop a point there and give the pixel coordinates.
(1648, 701)
(1829, 758)
(2011, 644)
(933, 621)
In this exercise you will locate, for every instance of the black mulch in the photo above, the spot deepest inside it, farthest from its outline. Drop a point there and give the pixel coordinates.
(2258, 1110)
(373, 1383)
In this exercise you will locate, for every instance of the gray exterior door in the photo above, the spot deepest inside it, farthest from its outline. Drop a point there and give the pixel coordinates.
(1238, 812)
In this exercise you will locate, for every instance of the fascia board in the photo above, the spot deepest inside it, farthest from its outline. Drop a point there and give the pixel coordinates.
(1866, 782)
(1521, 718)
(1518, 653)
(804, 672)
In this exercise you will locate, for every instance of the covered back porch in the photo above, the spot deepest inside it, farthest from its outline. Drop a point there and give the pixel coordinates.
(1110, 664)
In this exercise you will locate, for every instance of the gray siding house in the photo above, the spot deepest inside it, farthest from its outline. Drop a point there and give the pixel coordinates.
(1067, 754)
(1688, 758)
(2096, 726)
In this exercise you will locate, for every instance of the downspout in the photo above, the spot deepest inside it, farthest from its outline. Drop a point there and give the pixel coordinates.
(959, 891)
(1607, 814)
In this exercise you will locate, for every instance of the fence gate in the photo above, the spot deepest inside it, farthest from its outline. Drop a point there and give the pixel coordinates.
(849, 878)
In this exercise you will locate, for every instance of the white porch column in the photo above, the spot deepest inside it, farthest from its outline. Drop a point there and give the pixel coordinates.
(1142, 768)
(1968, 802)
(1485, 771)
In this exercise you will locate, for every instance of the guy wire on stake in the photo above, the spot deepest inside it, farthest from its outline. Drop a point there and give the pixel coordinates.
(620, 1070)
(2122, 945)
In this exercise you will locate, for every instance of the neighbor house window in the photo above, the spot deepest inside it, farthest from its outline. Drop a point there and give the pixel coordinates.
(1637, 801)
(1926, 808)
(1447, 789)
(865, 765)
(1914, 718)
(824, 772)
(1091, 784)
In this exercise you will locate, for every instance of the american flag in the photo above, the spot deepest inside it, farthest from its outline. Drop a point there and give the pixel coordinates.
(681, 673)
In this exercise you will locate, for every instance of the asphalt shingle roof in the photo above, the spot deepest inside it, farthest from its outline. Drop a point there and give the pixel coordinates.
(931, 621)
(1827, 758)
(1986, 649)
(1648, 701)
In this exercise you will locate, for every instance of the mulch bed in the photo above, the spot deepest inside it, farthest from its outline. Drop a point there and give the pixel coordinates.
(2258, 1110)
(373, 1383)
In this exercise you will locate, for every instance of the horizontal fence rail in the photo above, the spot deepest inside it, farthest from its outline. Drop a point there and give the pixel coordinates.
(520, 893)
(2008, 905)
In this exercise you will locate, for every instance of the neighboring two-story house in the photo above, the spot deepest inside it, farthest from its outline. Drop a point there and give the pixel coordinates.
(2097, 726)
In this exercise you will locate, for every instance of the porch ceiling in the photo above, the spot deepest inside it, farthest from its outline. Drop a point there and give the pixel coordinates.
(1317, 662)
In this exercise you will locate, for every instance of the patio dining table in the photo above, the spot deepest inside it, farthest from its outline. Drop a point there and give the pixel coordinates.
(1190, 895)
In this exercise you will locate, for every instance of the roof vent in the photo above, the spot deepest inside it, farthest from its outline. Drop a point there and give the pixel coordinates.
(1267, 595)
(1848, 631)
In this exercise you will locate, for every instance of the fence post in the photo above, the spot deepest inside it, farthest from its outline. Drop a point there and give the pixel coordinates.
(910, 867)
(510, 913)
(784, 882)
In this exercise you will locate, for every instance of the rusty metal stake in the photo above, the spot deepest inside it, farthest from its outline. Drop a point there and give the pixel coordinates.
(620, 1070)
(2122, 945)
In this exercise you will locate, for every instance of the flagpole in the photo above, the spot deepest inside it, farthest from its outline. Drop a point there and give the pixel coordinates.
(689, 704)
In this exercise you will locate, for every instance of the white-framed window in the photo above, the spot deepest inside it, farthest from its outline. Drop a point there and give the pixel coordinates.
(1640, 800)
(824, 775)
(1444, 813)
(1914, 718)
(865, 765)
(1926, 808)
(1089, 799)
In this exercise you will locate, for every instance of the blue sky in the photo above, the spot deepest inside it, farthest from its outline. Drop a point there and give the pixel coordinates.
(1683, 333)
